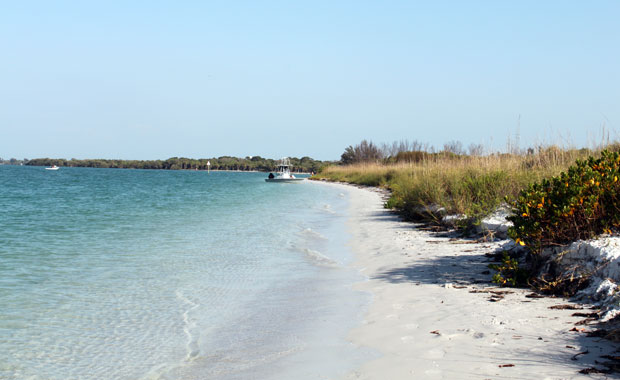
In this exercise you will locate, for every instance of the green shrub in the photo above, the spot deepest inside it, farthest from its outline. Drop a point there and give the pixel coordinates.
(578, 204)
(473, 192)
(509, 273)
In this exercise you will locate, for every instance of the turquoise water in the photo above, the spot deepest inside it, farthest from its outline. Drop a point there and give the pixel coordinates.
(138, 274)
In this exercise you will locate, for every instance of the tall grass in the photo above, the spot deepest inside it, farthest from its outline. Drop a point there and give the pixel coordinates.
(468, 185)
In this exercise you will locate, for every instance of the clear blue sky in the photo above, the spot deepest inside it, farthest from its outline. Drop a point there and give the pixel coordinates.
(155, 79)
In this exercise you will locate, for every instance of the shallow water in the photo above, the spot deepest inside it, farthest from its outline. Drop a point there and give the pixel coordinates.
(138, 274)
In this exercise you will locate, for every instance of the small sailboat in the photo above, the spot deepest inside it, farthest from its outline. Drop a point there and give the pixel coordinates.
(53, 167)
(284, 173)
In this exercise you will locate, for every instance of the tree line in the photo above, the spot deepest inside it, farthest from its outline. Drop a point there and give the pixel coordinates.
(13, 161)
(254, 163)
(409, 151)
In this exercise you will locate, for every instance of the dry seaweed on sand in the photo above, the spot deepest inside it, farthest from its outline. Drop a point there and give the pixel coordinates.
(534, 295)
(590, 370)
(566, 307)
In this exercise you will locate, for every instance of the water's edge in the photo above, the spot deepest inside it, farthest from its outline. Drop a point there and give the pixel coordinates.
(138, 274)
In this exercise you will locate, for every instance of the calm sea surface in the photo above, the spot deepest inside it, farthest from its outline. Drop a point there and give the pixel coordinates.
(138, 274)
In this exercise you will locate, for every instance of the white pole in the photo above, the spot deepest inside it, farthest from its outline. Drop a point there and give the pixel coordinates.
(208, 166)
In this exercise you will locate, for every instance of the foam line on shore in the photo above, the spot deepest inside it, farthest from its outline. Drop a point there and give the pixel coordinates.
(315, 256)
(188, 325)
(312, 233)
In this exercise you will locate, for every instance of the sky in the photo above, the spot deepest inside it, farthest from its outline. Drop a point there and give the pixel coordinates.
(157, 79)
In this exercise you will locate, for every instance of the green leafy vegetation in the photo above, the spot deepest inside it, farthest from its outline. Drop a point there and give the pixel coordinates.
(423, 180)
(577, 204)
(509, 273)
(556, 195)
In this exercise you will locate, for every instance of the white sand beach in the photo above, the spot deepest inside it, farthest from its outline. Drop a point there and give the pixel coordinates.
(435, 314)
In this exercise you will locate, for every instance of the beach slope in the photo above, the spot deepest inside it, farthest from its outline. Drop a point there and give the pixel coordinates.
(435, 314)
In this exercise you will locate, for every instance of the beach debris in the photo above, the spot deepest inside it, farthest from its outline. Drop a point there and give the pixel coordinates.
(610, 357)
(436, 332)
(585, 315)
(604, 333)
(588, 270)
(506, 365)
(534, 295)
(566, 307)
(500, 292)
(577, 330)
(585, 321)
(490, 290)
(574, 357)
(496, 295)
(613, 364)
(587, 371)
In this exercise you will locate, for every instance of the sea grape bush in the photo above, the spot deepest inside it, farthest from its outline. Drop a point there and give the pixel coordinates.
(578, 204)
(509, 273)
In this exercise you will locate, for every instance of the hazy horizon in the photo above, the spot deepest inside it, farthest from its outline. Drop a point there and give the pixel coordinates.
(153, 81)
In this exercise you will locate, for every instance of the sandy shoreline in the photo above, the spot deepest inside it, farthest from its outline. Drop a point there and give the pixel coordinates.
(435, 315)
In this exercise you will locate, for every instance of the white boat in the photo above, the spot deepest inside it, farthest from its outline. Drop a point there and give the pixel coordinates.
(54, 167)
(284, 173)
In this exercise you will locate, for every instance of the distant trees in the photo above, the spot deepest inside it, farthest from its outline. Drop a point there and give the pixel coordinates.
(13, 161)
(403, 150)
(406, 151)
(397, 147)
(255, 163)
(455, 147)
(475, 149)
(366, 151)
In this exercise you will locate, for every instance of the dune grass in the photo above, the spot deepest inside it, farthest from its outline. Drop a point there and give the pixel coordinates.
(473, 186)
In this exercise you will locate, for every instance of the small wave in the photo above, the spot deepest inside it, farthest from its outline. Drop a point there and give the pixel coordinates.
(189, 325)
(156, 373)
(317, 257)
(328, 208)
(313, 233)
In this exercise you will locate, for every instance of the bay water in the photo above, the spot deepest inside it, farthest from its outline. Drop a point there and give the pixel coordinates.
(148, 274)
